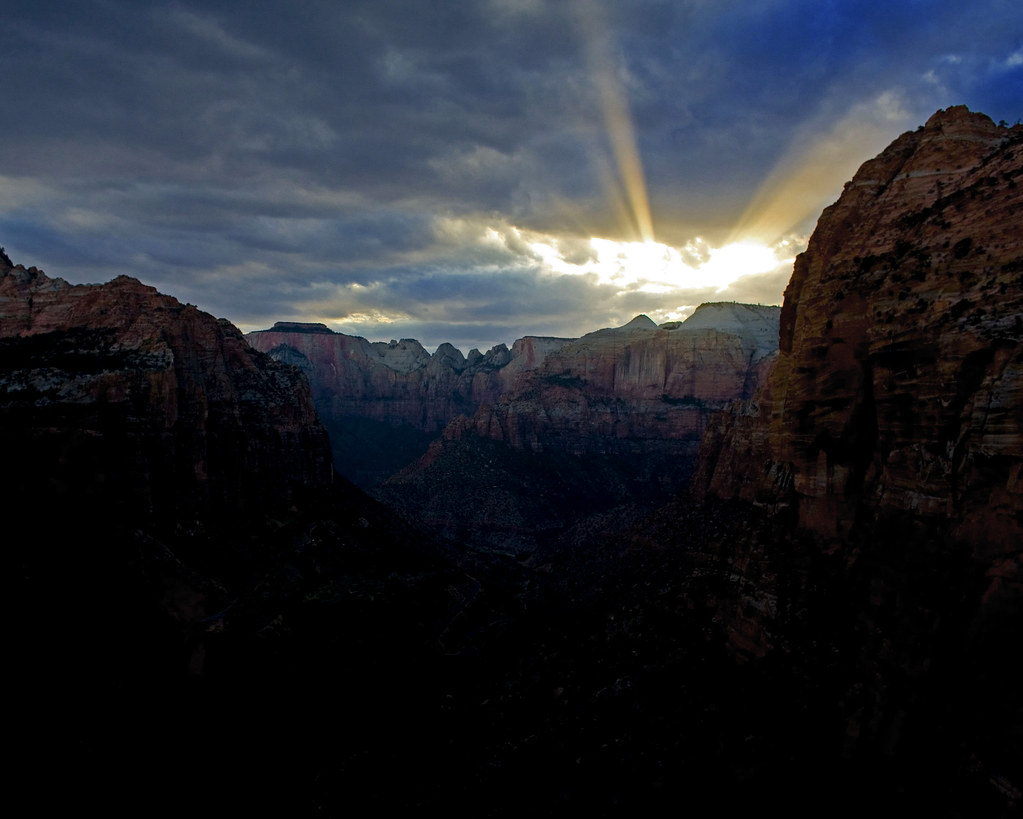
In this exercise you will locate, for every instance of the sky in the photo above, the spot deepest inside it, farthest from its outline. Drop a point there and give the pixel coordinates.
(464, 171)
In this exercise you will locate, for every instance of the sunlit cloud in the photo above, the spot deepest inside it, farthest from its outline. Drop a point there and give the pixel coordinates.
(566, 284)
(372, 318)
(657, 268)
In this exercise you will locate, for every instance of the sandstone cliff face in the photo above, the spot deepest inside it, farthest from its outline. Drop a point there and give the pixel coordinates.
(886, 449)
(400, 382)
(612, 420)
(384, 403)
(898, 387)
(124, 395)
(631, 388)
(612, 391)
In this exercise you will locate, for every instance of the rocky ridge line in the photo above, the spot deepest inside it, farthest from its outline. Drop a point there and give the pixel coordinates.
(385, 403)
(610, 421)
(179, 415)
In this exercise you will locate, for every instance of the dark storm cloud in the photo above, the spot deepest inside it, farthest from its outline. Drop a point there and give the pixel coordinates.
(452, 159)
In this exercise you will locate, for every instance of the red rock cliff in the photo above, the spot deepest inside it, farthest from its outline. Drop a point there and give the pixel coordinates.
(899, 384)
(624, 390)
(384, 403)
(886, 449)
(398, 383)
(608, 421)
(120, 394)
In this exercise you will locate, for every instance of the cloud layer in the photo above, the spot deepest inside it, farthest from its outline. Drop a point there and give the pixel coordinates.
(441, 170)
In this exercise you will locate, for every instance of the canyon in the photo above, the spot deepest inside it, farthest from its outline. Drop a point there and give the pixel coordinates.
(385, 403)
(787, 571)
(546, 434)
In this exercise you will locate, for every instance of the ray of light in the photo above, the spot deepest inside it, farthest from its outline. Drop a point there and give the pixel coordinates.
(628, 182)
(810, 175)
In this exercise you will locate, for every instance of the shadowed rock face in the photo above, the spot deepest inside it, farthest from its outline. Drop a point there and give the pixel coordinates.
(122, 395)
(182, 569)
(384, 403)
(885, 451)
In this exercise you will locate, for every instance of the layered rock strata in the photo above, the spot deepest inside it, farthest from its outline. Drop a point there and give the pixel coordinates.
(384, 403)
(119, 393)
(621, 390)
(610, 420)
(899, 383)
(884, 455)
(615, 390)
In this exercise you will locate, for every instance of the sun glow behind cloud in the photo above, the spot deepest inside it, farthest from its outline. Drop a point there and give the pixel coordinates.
(654, 267)
(623, 276)
(646, 265)
(613, 280)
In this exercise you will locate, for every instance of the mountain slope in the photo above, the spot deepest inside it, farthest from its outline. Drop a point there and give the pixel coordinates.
(182, 566)
(876, 473)
(384, 403)
(609, 421)
(170, 407)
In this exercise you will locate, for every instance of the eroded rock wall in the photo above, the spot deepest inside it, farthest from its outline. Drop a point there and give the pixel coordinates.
(384, 403)
(610, 421)
(118, 393)
(899, 384)
(881, 459)
(634, 388)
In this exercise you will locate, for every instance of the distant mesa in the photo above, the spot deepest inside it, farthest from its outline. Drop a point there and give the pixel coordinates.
(299, 327)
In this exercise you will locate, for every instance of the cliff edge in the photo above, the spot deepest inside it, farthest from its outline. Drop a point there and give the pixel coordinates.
(120, 396)
(899, 381)
(881, 460)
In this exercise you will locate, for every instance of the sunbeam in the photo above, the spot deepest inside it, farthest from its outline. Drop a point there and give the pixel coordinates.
(810, 174)
(627, 183)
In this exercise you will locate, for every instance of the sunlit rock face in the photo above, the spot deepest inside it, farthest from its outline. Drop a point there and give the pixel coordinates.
(620, 390)
(899, 382)
(399, 382)
(612, 420)
(123, 395)
(885, 452)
